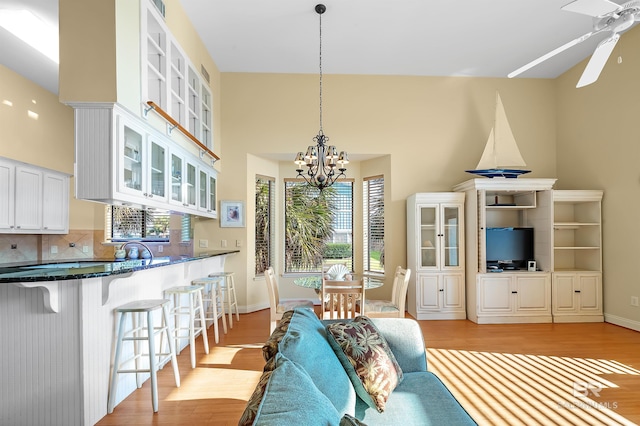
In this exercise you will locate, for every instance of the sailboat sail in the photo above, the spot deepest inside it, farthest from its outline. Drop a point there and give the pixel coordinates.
(501, 156)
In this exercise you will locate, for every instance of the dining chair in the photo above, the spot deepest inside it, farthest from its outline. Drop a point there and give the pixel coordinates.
(277, 307)
(395, 307)
(339, 298)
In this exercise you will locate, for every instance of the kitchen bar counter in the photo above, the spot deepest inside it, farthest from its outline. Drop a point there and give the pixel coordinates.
(58, 328)
(78, 269)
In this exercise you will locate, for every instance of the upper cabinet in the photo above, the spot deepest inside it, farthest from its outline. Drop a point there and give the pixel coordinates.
(33, 200)
(122, 161)
(171, 81)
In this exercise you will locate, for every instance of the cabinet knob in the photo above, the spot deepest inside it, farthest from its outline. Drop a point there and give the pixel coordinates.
(46, 227)
(18, 227)
(442, 289)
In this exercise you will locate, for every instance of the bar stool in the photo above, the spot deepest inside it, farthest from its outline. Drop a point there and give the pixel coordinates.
(143, 330)
(193, 308)
(228, 286)
(212, 299)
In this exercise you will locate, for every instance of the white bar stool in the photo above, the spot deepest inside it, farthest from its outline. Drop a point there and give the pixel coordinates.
(193, 308)
(228, 286)
(143, 330)
(213, 302)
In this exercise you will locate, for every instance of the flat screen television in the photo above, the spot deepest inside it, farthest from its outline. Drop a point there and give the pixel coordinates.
(509, 248)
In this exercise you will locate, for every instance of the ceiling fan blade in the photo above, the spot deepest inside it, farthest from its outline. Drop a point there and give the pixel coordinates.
(550, 54)
(595, 8)
(598, 60)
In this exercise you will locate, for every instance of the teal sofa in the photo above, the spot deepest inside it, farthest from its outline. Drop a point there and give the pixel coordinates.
(305, 383)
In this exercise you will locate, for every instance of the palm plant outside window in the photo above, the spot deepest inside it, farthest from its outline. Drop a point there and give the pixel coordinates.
(265, 214)
(318, 226)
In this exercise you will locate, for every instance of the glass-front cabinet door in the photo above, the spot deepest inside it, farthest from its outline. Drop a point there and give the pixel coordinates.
(191, 185)
(131, 155)
(203, 181)
(157, 187)
(212, 194)
(451, 235)
(176, 179)
(428, 237)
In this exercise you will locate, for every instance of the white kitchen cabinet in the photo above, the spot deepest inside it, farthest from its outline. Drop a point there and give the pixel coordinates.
(513, 298)
(121, 160)
(435, 254)
(577, 297)
(207, 200)
(33, 200)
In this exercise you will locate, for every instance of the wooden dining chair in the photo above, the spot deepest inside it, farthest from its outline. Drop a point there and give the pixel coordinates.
(276, 307)
(395, 307)
(339, 298)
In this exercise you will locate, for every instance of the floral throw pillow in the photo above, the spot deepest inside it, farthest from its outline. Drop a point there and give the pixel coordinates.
(270, 348)
(367, 359)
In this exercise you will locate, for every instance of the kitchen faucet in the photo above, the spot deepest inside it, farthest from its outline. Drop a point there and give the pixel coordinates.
(143, 245)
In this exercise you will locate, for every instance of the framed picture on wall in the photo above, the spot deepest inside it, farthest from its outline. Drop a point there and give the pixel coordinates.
(232, 214)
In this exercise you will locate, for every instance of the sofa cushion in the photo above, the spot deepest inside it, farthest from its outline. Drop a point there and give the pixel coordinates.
(305, 343)
(367, 359)
(425, 397)
(291, 398)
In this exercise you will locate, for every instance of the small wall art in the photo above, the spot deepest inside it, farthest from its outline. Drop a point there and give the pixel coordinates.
(232, 214)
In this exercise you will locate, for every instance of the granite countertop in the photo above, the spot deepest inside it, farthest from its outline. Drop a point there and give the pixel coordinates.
(74, 269)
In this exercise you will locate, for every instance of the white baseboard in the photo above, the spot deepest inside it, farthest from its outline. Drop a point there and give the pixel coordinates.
(622, 322)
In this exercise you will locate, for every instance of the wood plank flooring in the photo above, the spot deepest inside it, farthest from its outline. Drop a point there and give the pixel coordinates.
(524, 374)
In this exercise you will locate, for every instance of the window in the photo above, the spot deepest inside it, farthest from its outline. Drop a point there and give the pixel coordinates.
(265, 215)
(373, 224)
(318, 226)
(126, 223)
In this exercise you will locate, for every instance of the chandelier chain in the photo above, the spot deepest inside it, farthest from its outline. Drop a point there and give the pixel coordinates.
(320, 72)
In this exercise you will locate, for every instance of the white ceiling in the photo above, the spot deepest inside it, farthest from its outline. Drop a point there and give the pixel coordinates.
(487, 38)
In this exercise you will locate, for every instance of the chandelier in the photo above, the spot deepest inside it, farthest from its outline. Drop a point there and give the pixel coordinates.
(322, 160)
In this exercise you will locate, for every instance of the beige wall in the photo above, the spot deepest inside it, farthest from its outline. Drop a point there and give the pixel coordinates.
(599, 148)
(421, 133)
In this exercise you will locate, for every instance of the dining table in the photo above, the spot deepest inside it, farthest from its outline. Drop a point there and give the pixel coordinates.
(315, 282)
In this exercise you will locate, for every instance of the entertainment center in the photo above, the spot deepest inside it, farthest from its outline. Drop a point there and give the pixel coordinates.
(533, 254)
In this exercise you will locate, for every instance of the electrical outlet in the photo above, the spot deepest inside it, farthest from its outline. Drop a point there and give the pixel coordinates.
(160, 248)
(85, 249)
(223, 243)
(634, 300)
(54, 249)
(238, 243)
(204, 243)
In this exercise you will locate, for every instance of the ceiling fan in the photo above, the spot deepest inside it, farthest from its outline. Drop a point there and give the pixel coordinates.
(607, 17)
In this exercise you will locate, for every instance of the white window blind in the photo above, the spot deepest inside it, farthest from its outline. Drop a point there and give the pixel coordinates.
(265, 229)
(373, 224)
(318, 226)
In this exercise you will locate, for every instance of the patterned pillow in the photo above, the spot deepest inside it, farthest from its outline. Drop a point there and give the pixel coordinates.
(270, 348)
(367, 359)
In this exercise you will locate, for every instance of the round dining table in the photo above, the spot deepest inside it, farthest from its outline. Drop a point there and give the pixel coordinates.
(315, 282)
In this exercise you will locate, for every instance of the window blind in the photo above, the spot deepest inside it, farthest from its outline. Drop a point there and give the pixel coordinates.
(265, 217)
(126, 223)
(373, 223)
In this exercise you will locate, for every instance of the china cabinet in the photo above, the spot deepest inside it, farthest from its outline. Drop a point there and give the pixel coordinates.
(435, 253)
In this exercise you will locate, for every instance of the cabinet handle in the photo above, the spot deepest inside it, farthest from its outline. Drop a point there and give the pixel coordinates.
(11, 227)
(576, 291)
(18, 227)
(46, 227)
(514, 292)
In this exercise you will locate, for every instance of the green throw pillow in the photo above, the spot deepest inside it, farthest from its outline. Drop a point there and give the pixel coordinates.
(367, 359)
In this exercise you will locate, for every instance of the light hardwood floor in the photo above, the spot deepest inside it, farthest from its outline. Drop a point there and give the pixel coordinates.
(525, 374)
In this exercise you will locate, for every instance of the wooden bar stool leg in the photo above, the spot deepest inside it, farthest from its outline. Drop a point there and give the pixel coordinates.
(152, 362)
(203, 321)
(172, 349)
(116, 363)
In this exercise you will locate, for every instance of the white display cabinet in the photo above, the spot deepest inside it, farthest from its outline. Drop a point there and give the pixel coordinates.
(577, 256)
(435, 254)
(508, 296)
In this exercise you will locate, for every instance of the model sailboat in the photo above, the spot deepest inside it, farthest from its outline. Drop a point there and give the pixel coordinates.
(501, 156)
